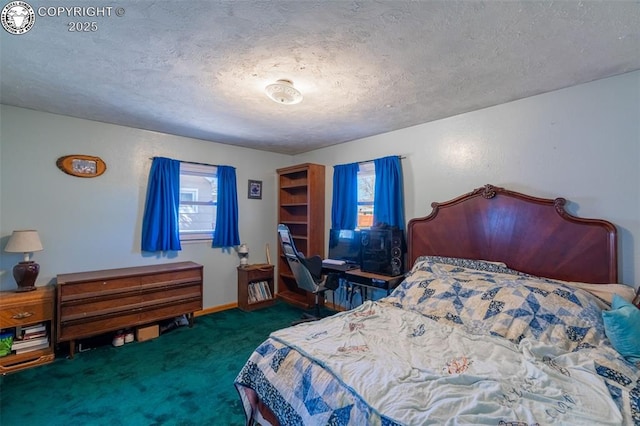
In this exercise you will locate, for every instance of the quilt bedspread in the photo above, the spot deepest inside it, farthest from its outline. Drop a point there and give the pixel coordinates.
(451, 345)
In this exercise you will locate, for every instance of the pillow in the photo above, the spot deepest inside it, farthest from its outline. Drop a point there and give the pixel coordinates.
(511, 306)
(477, 264)
(622, 326)
(605, 292)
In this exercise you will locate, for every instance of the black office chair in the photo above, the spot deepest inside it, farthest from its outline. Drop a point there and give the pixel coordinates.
(307, 272)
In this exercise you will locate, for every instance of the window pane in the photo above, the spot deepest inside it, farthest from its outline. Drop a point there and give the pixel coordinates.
(200, 221)
(366, 187)
(187, 197)
(198, 197)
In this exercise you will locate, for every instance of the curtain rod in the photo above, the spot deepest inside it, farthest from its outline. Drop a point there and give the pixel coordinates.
(191, 162)
(217, 165)
(370, 161)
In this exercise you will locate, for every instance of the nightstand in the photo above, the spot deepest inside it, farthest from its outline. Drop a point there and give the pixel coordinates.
(255, 287)
(24, 309)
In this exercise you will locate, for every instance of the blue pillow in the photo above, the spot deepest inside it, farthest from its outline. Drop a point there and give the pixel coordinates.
(622, 325)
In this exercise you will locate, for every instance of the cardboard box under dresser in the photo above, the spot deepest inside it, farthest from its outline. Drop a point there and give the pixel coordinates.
(98, 302)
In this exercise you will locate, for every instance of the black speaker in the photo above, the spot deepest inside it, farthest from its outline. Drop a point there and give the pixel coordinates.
(382, 251)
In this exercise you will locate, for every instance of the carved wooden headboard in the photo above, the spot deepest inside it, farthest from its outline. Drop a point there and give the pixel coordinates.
(530, 234)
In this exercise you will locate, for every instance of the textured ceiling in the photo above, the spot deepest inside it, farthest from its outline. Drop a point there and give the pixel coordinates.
(199, 68)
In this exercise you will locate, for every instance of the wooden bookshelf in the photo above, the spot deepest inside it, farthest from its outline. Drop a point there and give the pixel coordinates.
(255, 276)
(301, 205)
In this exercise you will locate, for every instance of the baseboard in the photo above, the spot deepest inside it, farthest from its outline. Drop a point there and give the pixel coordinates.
(228, 306)
(214, 309)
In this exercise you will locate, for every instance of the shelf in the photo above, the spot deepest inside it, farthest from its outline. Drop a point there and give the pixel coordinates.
(296, 299)
(259, 305)
(287, 275)
(248, 275)
(13, 363)
(301, 199)
(294, 186)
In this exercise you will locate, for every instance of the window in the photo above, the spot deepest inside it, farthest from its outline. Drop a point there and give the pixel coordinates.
(198, 201)
(366, 187)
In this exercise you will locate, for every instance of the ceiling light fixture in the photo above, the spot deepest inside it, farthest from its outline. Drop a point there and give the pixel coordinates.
(283, 92)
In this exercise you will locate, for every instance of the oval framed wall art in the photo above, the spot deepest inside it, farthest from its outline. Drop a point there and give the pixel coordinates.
(85, 166)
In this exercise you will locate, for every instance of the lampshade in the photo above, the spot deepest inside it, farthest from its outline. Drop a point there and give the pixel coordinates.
(25, 272)
(283, 92)
(24, 241)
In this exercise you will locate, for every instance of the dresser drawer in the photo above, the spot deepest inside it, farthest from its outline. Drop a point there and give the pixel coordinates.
(26, 308)
(83, 290)
(177, 292)
(171, 278)
(169, 310)
(95, 325)
(25, 314)
(98, 306)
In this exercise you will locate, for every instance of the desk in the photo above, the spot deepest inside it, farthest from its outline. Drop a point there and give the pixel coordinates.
(371, 280)
(366, 281)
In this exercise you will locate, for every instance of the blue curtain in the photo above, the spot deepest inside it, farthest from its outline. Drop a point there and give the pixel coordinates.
(226, 233)
(388, 204)
(344, 206)
(160, 231)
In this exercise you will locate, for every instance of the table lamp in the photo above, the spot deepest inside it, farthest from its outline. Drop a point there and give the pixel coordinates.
(243, 253)
(25, 272)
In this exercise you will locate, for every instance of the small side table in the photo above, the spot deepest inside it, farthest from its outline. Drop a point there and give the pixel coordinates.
(255, 287)
(24, 309)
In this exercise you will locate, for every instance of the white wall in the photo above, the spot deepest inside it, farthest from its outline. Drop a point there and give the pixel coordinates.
(580, 143)
(89, 224)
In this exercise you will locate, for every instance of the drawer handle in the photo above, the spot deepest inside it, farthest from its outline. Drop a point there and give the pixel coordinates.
(22, 315)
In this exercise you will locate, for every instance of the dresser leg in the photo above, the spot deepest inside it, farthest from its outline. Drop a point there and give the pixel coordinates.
(190, 318)
(72, 348)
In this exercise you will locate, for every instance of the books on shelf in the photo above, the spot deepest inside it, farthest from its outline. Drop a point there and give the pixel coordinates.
(30, 338)
(26, 343)
(30, 330)
(259, 291)
(32, 335)
(43, 345)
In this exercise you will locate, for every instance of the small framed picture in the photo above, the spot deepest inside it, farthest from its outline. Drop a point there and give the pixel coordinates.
(255, 189)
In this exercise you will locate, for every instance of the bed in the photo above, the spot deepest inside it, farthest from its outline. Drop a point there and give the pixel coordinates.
(510, 315)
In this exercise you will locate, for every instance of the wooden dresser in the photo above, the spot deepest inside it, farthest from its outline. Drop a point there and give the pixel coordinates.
(25, 309)
(97, 302)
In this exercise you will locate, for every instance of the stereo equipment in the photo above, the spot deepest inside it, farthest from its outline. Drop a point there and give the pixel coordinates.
(382, 251)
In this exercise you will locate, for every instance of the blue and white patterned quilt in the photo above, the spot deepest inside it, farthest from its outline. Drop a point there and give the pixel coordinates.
(451, 345)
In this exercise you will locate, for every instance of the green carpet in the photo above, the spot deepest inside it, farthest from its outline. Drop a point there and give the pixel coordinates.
(183, 377)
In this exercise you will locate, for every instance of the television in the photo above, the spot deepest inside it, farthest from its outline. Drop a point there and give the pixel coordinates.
(344, 244)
